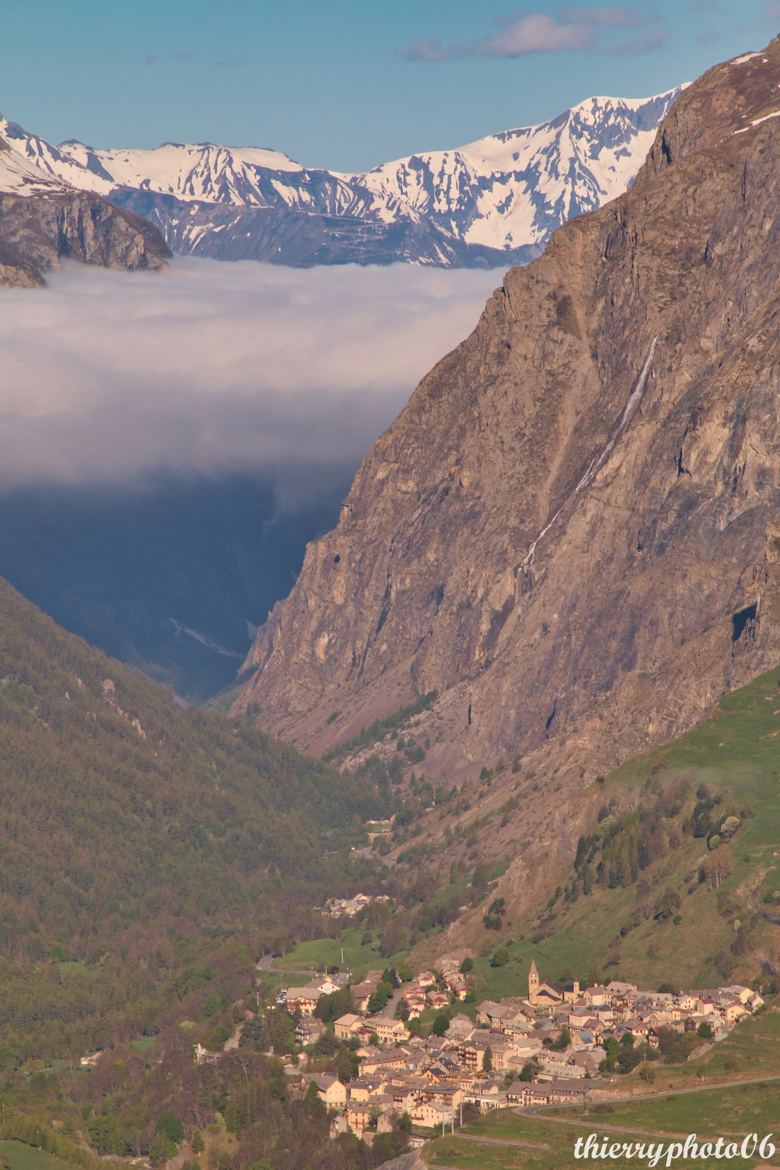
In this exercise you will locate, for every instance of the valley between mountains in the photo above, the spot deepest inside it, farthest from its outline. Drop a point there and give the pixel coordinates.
(493, 804)
(568, 537)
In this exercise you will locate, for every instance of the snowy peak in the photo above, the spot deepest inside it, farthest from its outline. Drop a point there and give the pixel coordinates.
(202, 171)
(197, 171)
(45, 164)
(21, 176)
(512, 189)
(493, 201)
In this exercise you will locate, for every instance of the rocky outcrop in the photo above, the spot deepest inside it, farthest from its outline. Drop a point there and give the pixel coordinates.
(39, 230)
(570, 532)
(412, 1161)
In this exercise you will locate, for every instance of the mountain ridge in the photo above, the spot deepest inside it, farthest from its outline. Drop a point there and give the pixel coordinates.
(489, 202)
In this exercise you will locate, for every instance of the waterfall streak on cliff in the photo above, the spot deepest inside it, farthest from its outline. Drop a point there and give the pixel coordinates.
(596, 464)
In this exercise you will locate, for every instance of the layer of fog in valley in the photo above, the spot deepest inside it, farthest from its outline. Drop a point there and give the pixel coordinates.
(170, 442)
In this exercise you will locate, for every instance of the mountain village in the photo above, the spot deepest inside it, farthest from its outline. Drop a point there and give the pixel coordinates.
(547, 1047)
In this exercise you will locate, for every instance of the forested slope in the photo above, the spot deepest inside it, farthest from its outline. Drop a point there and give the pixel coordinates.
(143, 845)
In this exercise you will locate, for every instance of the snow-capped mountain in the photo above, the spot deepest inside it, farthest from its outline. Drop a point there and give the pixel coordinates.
(20, 176)
(493, 201)
(43, 219)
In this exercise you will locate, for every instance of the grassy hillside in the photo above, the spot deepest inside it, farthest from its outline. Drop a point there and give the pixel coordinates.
(657, 894)
(18, 1156)
(508, 1141)
(149, 851)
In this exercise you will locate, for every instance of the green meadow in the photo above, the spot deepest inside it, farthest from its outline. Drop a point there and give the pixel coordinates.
(18, 1156)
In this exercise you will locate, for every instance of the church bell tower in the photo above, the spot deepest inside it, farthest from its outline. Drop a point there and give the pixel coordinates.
(533, 981)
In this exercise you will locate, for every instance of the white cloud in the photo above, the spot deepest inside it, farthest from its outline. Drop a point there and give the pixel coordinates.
(208, 366)
(535, 32)
(538, 32)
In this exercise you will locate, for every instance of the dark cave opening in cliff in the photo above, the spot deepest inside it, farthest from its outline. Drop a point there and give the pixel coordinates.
(740, 619)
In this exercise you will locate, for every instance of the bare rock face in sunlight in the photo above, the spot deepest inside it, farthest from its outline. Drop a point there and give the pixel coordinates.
(36, 232)
(570, 532)
(43, 220)
(16, 272)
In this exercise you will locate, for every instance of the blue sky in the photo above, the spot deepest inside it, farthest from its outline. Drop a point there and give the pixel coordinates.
(347, 83)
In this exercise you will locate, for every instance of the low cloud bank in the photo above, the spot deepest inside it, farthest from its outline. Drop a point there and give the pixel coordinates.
(215, 366)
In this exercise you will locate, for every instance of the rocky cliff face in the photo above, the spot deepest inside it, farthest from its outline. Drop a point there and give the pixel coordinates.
(571, 532)
(36, 232)
(43, 220)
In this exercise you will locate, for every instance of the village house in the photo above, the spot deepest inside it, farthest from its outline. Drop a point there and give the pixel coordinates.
(518, 1030)
(495, 1015)
(457, 984)
(403, 1098)
(596, 996)
(734, 1010)
(332, 982)
(431, 1115)
(303, 1000)
(348, 1025)
(521, 1055)
(332, 1092)
(440, 1093)
(502, 1050)
(359, 1116)
(366, 1088)
(486, 1095)
(202, 1055)
(471, 1054)
(308, 1030)
(528, 1094)
(579, 1017)
(387, 1119)
(362, 992)
(618, 990)
(559, 1066)
(415, 998)
(349, 907)
(387, 1029)
(373, 1063)
(460, 1027)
